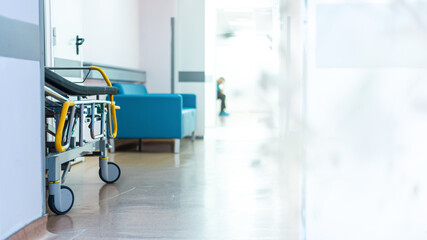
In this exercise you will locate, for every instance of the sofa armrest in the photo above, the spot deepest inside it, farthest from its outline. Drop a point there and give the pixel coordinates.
(188, 100)
(149, 116)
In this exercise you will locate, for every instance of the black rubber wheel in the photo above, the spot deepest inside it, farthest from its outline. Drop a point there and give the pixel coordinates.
(67, 199)
(113, 173)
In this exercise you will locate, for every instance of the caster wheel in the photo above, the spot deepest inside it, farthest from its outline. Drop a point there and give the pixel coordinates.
(113, 173)
(67, 201)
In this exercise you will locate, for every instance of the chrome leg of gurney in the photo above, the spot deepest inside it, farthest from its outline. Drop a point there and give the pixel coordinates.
(109, 172)
(61, 198)
(112, 145)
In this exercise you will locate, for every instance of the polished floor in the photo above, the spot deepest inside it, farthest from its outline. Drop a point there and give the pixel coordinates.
(347, 178)
(240, 182)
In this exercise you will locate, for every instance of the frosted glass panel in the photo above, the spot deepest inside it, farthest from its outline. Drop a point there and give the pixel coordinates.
(371, 35)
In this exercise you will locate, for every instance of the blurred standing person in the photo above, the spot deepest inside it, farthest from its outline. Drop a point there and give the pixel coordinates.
(220, 95)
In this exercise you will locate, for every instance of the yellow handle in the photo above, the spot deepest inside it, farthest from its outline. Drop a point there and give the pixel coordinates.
(102, 73)
(112, 106)
(113, 115)
(60, 129)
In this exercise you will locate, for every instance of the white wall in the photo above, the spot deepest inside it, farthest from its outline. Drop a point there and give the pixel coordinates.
(21, 173)
(155, 43)
(190, 52)
(210, 58)
(23, 10)
(190, 43)
(112, 30)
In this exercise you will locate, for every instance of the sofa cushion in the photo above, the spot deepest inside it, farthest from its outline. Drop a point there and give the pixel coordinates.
(189, 121)
(130, 89)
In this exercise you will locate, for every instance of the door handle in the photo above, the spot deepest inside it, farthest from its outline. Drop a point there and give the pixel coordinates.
(79, 41)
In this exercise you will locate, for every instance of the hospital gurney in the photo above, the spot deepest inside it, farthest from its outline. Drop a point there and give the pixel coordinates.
(64, 117)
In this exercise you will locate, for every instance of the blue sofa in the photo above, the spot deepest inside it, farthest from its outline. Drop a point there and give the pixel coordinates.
(154, 116)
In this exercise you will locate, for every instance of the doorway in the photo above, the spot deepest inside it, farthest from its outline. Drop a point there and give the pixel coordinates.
(241, 47)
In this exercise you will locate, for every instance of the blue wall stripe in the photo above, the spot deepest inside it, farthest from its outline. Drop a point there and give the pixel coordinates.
(191, 76)
(19, 39)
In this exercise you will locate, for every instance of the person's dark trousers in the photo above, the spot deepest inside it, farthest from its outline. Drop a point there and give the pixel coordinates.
(222, 97)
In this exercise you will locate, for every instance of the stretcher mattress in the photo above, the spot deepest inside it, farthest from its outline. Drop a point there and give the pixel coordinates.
(71, 88)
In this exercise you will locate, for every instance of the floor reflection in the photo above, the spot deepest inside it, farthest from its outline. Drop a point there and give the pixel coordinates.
(237, 183)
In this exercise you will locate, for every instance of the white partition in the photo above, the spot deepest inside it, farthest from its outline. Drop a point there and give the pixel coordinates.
(21, 128)
(190, 53)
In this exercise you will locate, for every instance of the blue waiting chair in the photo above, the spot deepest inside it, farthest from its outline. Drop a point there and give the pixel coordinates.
(154, 116)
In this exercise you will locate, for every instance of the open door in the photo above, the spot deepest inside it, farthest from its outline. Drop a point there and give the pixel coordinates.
(63, 46)
(66, 27)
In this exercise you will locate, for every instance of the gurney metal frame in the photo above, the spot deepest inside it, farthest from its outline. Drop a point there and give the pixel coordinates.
(59, 157)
